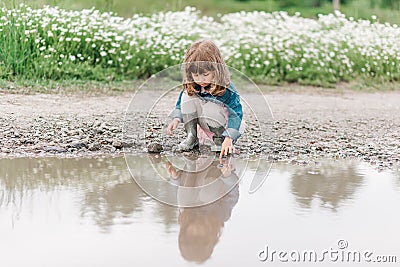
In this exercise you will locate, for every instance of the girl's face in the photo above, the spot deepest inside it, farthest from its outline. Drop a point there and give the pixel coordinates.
(203, 79)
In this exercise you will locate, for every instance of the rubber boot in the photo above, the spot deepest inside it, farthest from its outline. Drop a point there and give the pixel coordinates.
(217, 138)
(191, 141)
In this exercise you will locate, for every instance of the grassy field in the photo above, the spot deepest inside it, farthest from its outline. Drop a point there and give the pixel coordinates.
(49, 49)
(126, 8)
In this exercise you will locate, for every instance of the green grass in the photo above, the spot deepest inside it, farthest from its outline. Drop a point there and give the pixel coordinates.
(93, 88)
(126, 8)
(362, 9)
(35, 59)
(69, 87)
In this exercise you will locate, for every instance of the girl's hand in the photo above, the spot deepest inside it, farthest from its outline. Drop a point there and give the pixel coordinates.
(172, 126)
(227, 147)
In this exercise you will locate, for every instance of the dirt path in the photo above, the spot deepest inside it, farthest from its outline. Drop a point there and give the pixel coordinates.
(304, 126)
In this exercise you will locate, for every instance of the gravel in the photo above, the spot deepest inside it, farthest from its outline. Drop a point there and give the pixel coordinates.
(305, 126)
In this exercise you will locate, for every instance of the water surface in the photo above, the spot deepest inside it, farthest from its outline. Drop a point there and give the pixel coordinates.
(90, 212)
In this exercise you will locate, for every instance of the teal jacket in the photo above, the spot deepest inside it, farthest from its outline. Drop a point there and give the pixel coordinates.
(230, 99)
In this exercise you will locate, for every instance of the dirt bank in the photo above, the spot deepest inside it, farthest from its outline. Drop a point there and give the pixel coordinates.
(304, 126)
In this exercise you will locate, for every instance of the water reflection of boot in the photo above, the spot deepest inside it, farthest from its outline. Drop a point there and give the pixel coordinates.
(191, 141)
(217, 138)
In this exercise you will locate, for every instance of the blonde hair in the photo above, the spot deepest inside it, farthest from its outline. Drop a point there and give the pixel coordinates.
(203, 56)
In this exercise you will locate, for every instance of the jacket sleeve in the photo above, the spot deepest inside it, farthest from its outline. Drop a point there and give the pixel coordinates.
(235, 115)
(176, 113)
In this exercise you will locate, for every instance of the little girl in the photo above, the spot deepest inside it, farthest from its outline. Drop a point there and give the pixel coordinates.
(209, 102)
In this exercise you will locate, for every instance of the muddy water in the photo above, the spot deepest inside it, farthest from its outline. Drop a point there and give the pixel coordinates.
(89, 212)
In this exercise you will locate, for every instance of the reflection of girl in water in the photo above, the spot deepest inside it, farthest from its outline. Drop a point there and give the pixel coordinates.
(201, 227)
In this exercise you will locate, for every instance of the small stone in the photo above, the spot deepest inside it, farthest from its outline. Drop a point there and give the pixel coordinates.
(117, 144)
(154, 148)
(55, 149)
(94, 146)
(5, 150)
(114, 129)
(127, 144)
(78, 144)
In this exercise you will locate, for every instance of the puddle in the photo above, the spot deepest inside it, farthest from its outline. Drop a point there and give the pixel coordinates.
(90, 212)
